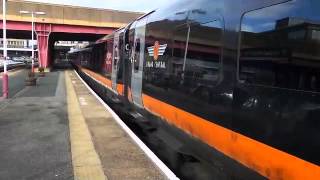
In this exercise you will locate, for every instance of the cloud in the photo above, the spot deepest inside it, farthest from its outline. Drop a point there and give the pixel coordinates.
(125, 5)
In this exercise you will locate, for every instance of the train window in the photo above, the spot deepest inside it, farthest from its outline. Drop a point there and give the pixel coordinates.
(179, 51)
(203, 54)
(280, 46)
(120, 59)
(115, 57)
(98, 58)
(137, 55)
(108, 59)
(197, 56)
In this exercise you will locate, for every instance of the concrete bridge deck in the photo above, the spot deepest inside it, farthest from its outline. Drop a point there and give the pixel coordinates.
(61, 22)
(68, 15)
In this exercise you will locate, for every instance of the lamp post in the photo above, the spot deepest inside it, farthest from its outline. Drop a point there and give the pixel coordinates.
(5, 79)
(32, 41)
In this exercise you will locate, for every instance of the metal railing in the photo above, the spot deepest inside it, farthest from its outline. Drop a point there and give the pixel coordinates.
(17, 46)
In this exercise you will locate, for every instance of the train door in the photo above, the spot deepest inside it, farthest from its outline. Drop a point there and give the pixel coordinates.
(137, 60)
(126, 63)
(115, 59)
(131, 35)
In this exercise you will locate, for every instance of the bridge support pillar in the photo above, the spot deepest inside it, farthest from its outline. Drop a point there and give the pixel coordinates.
(43, 32)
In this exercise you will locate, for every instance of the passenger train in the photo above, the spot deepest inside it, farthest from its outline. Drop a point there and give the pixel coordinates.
(239, 81)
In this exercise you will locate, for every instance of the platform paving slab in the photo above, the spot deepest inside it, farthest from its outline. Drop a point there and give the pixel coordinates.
(85, 160)
(37, 136)
(34, 133)
(121, 158)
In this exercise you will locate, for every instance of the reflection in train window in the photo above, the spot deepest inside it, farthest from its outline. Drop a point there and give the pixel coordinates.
(280, 47)
(316, 34)
(179, 51)
(108, 59)
(137, 55)
(119, 59)
(115, 56)
(203, 56)
(197, 54)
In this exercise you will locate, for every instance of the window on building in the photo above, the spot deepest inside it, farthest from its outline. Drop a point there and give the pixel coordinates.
(275, 50)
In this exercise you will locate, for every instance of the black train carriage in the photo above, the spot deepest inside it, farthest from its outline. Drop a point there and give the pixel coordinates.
(240, 79)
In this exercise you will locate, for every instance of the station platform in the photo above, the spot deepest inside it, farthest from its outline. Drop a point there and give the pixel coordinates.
(60, 130)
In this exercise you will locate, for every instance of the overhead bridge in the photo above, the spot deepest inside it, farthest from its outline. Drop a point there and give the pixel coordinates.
(61, 23)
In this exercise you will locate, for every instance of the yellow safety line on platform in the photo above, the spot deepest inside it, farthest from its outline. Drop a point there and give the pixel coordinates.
(85, 160)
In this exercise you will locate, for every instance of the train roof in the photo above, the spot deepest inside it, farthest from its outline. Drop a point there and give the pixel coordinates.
(106, 37)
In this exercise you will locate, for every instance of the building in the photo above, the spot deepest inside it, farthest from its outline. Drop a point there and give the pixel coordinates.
(18, 47)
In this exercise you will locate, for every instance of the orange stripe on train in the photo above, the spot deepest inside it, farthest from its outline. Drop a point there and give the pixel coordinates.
(98, 77)
(103, 80)
(266, 160)
(269, 162)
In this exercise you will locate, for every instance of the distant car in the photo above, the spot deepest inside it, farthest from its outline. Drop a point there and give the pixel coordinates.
(27, 60)
(18, 59)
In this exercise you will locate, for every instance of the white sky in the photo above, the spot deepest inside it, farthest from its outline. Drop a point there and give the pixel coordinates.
(127, 5)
